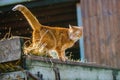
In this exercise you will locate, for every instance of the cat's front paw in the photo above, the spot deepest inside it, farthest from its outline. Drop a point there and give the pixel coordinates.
(63, 58)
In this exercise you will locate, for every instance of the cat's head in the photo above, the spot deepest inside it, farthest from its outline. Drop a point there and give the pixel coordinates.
(75, 32)
(18, 7)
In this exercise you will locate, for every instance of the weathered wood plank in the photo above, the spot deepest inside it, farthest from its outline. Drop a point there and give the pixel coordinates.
(95, 33)
(90, 29)
(112, 50)
(10, 50)
(84, 7)
(101, 32)
(117, 30)
(106, 30)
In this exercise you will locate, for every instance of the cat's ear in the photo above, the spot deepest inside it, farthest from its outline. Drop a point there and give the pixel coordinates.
(70, 28)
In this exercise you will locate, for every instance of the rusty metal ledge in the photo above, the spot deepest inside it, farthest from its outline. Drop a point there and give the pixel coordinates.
(68, 62)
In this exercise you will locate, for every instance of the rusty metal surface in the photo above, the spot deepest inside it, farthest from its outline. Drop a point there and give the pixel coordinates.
(10, 50)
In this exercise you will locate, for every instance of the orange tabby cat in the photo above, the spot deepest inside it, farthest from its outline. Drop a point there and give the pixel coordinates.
(52, 38)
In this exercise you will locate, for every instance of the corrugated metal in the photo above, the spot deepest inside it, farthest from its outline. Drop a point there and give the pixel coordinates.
(101, 31)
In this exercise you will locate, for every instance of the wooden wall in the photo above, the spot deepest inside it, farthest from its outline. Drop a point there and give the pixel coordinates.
(101, 21)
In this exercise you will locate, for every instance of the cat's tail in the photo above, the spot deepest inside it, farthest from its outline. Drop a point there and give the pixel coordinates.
(34, 23)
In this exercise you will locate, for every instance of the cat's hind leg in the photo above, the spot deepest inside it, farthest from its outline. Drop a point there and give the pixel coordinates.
(61, 55)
